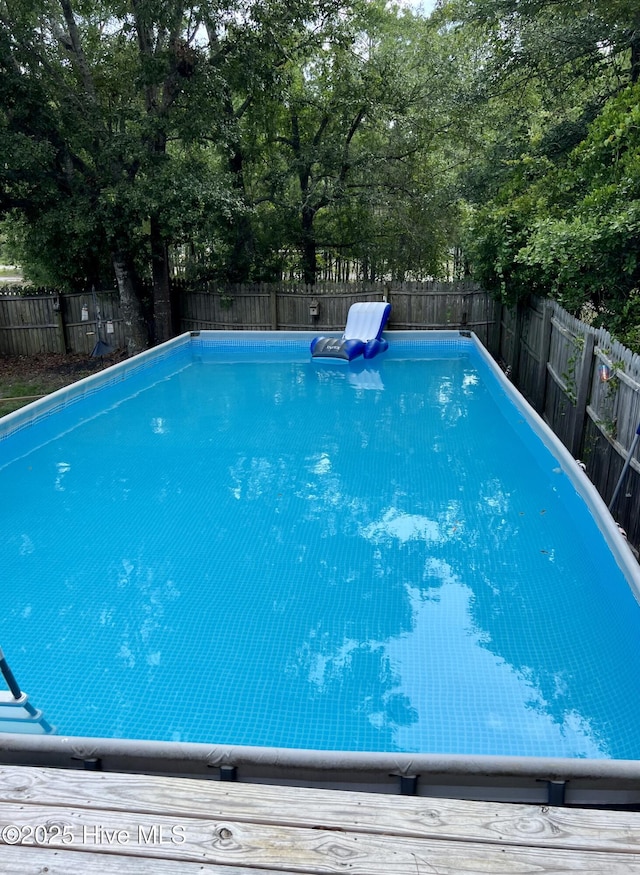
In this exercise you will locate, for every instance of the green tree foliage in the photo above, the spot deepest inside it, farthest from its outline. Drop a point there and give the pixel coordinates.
(245, 140)
(584, 239)
(328, 124)
(336, 157)
(106, 81)
(256, 139)
(550, 188)
(120, 120)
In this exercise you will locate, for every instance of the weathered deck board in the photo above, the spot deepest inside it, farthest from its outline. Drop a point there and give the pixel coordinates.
(38, 861)
(445, 860)
(398, 815)
(72, 821)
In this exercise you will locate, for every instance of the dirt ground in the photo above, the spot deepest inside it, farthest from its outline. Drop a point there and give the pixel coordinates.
(24, 378)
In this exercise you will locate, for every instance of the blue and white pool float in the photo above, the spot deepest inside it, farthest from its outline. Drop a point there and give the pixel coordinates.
(362, 334)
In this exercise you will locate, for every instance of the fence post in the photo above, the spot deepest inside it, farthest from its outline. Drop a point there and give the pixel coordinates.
(543, 356)
(582, 393)
(517, 337)
(273, 306)
(498, 331)
(59, 310)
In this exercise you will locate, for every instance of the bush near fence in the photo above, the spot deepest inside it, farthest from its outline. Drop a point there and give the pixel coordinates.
(582, 382)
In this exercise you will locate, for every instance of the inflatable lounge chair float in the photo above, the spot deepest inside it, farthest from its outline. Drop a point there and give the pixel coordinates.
(362, 334)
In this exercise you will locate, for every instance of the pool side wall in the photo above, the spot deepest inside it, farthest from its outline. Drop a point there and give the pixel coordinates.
(525, 779)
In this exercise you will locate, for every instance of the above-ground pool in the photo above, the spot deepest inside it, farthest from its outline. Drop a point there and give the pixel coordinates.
(223, 543)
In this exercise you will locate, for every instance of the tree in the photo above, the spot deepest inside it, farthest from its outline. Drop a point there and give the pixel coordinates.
(127, 93)
(551, 93)
(351, 139)
(101, 135)
(584, 237)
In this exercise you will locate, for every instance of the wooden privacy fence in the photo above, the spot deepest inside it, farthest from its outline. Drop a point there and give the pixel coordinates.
(587, 388)
(70, 323)
(290, 308)
(30, 325)
(55, 323)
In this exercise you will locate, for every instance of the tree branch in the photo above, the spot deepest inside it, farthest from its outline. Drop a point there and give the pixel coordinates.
(75, 46)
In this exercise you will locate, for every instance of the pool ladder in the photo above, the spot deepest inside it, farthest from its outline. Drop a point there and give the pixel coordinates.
(17, 714)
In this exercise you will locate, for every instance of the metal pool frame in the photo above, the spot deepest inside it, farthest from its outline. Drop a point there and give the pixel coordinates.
(550, 780)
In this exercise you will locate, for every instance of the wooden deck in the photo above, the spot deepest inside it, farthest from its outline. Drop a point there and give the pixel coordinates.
(63, 822)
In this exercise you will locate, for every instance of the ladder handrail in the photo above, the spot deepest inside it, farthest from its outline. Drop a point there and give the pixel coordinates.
(21, 699)
(9, 677)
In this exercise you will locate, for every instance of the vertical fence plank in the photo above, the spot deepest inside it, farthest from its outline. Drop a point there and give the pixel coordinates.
(543, 356)
(583, 384)
(517, 346)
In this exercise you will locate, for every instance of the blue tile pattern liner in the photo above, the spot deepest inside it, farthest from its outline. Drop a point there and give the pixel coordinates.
(234, 544)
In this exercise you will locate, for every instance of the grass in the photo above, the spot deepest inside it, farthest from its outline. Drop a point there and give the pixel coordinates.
(6, 270)
(15, 395)
(25, 378)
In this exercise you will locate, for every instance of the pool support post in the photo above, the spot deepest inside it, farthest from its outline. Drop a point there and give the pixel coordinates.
(632, 449)
(556, 793)
(408, 785)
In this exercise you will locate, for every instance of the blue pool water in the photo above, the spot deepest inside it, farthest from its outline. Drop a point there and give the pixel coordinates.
(272, 551)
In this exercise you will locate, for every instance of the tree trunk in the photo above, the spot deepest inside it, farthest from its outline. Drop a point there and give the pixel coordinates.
(635, 54)
(243, 245)
(243, 242)
(241, 231)
(309, 246)
(135, 329)
(162, 321)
